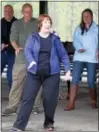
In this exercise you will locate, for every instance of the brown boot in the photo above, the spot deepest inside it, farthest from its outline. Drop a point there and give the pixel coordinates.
(72, 98)
(68, 92)
(93, 95)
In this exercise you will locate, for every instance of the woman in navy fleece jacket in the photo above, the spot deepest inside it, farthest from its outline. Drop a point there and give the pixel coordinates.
(44, 52)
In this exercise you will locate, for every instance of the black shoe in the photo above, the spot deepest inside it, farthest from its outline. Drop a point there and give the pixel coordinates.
(49, 127)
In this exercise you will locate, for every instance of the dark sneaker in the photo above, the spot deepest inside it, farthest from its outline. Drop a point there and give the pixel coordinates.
(49, 127)
(8, 112)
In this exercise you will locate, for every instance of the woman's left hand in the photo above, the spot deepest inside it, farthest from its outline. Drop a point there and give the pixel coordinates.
(67, 76)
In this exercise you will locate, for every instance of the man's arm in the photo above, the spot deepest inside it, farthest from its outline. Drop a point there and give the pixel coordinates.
(15, 45)
(14, 38)
(2, 45)
(14, 35)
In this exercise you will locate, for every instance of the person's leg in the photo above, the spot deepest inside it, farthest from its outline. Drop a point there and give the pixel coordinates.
(19, 75)
(50, 97)
(68, 92)
(38, 102)
(91, 70)
(77, 71)
(31, 88)
(11, 60)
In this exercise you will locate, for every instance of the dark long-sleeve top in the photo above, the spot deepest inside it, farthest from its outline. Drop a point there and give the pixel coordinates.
(5, 33)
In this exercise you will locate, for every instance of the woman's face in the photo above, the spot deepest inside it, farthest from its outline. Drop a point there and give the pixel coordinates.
(46, 25)
(87, 18)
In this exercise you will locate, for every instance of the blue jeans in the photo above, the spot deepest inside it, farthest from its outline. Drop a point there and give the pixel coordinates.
(78, 67)
(7, 59)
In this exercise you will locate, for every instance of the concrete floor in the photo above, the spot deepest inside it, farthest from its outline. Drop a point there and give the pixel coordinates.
(83, 118)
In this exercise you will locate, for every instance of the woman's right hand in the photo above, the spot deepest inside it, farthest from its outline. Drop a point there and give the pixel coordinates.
(31, 64)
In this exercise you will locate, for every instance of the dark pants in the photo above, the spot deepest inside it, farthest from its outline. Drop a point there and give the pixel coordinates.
(7, 59)
(50, 97)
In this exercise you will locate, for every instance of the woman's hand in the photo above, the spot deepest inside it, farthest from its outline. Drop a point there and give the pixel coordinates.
(81, 50)
(31, 64)
(67, 76)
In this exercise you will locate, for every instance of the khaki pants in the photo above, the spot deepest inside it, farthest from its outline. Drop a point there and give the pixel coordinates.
(19, 76)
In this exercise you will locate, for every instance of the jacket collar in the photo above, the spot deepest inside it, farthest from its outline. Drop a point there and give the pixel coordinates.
(36, 36)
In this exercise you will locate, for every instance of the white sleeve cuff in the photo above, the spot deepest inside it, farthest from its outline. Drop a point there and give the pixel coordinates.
(31, 64)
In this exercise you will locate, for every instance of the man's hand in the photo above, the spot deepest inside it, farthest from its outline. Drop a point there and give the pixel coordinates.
(81, 50)
(17, 50)
(3, 46)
